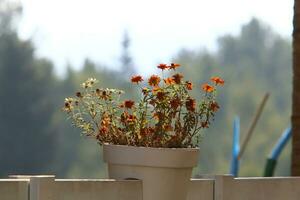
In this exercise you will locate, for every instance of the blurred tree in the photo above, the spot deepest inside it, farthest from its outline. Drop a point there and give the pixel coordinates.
(26, 141)
(253, 62)
(127, 65)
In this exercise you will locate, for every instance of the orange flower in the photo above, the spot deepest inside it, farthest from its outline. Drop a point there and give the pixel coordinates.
(208, 88)
(136, 79)
(154, 80)
(128, 104)
(177, 78)
(169, 81)
(174, 66)
(190, 104)
(217, 80)
(162, 66)
(214, 106)
(189, 85)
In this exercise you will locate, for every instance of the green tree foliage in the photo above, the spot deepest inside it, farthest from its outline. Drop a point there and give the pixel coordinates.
(26, 140)
(127, 65)
(252, 63)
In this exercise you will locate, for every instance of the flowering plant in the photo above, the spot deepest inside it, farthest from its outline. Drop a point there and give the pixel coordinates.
(165, 116)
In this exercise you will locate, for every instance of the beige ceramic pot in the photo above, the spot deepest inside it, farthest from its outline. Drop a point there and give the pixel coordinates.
(165, 172)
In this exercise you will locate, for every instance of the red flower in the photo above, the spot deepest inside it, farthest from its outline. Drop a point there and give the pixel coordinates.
(136, 79)
(208, 88)
(174, 66)
(154, 80)
(128, 104)
(177, 78)
(162, 66)
(217, 80)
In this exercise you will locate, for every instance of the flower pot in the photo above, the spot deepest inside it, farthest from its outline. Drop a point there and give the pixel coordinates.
(165, 172)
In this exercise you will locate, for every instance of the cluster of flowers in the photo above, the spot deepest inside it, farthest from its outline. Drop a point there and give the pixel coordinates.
(165, 116)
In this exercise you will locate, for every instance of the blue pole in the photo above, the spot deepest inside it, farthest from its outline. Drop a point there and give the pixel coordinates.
(234, 168)
(281, 144)
(272, 159)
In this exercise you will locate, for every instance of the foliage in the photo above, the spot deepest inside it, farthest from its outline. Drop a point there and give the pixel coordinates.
(165, 116)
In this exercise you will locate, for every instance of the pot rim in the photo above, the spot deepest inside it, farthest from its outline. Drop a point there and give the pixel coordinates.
(162, 148)
(150, 156)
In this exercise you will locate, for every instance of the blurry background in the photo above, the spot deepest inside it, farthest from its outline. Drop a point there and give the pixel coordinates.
(47, 48)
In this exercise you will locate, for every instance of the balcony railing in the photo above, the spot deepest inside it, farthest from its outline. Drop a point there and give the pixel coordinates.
(213, 188)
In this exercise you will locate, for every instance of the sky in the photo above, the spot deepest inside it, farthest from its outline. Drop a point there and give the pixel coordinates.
(68, 31)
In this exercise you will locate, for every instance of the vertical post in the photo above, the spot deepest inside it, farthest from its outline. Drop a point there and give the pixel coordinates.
(42, 187)
(295, 118)
(235, 163)
(220, 186)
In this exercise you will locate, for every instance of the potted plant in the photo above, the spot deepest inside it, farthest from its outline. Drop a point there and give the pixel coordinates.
(154, 139)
